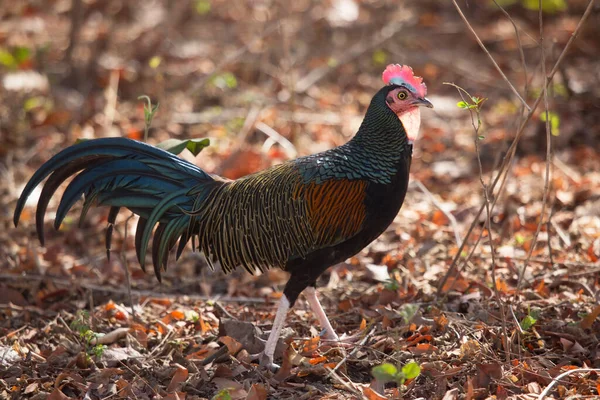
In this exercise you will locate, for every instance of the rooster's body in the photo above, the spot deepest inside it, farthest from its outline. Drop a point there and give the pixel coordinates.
(303, 216)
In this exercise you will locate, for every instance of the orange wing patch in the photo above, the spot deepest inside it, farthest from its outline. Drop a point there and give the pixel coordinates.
(336, 209)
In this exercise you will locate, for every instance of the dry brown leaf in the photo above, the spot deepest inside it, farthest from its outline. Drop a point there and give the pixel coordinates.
(165, 302)
(458, 284)
(180, 376)
(370, 394)
(32, 387)
(233, 346)
(345, 305)
(317, 360)
(487, 372)
(124, 388)
(470, 391)
(502, 286)
(8, 295)
(57, 395)
(178, 315)
(308, 347)
(257, 392)
(139, 332)
(439, 218)
(287, 363)
(441, 322)
(588, 321)
(235, 389)
(470, 348)
(423, 348)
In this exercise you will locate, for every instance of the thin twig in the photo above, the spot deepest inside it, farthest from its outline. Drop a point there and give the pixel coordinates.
(559, 377)
(359, 346)
(519, 44)
(512, 149)
(484, 186)
(548, 158)
(485, 50)
(276, 137)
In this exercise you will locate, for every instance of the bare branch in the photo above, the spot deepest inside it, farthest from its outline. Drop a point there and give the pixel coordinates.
(511, 150)
(548, 158)
(514, 90)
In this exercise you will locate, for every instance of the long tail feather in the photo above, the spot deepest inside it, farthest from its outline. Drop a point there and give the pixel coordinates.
(119, 172)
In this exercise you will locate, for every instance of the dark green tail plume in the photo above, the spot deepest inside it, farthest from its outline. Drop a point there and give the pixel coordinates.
(119, 172)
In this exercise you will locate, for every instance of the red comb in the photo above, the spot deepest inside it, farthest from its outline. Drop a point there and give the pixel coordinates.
(403, 75)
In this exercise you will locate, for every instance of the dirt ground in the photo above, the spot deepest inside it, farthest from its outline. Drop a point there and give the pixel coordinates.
(495, 298)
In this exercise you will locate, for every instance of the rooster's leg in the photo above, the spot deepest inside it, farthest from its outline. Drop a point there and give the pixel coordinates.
(311, 296)
(266, 359)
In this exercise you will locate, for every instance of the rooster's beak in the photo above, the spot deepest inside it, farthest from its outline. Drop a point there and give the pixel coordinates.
(423, 102)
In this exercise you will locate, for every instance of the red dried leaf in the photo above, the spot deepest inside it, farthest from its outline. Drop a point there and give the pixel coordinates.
(439, 218)
(233, 346)
(57, 395)
(178, 315)
(180, 376)
(317, 360)
(345, 305)
(370, 394)
(589, 319)
(257, 392)
(160, 301)
(363, 325)
(458, 284)
(121, 316)
(423, 348)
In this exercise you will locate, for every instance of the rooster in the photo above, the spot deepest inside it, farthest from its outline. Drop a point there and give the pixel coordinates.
(303, 216)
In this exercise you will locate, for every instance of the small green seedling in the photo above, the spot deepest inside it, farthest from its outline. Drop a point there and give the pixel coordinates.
(387, 372)
(149, 111)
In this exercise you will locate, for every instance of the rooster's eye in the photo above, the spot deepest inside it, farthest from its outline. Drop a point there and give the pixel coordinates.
(402, 95)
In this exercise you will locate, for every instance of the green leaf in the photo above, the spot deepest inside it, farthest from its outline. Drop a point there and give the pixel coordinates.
(202, 7)
(554, 122)
(33, 102)
(385, 372)
(7, 59)
(379, 57)
(411, 370)
(528, 322)
(191, 315)
(462, 104)
(407, 311)
(392, 284)
(226, 80)
(176, 146)
(548, 6)
(222, 395)
(21, 54)
(154, 62)
(332, 62)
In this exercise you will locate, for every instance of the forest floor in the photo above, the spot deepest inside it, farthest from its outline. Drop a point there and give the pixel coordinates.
(505, 315)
